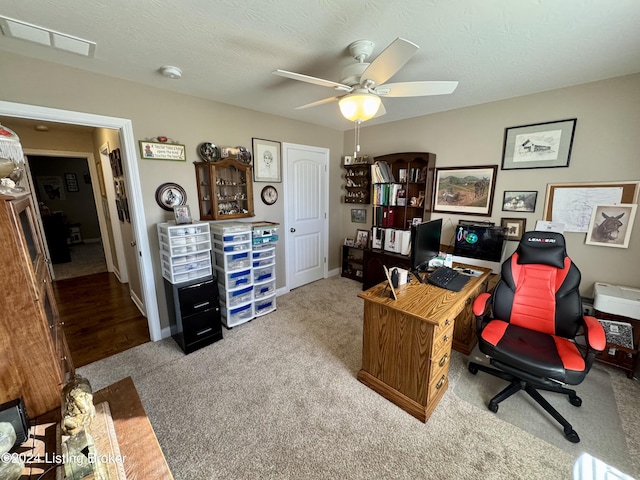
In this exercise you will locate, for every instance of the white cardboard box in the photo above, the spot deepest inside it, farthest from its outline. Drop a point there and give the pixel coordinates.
(617, 300)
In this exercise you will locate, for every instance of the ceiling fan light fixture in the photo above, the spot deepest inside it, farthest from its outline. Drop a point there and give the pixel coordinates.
(359, 107)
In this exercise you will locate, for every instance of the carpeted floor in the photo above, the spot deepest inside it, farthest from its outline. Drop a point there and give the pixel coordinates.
(597, 421)
(86, 259)
(278, 398)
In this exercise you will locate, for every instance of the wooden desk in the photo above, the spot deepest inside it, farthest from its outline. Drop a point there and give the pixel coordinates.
(136, 438)
(407, 342)
(143, 457)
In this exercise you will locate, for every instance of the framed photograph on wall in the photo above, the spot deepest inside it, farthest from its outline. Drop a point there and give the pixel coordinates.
(359, 215)
(465, 190)
(519, 201)
(266, 160)
(611, 225)
(539, 145)
(71, 182)
(515, 227)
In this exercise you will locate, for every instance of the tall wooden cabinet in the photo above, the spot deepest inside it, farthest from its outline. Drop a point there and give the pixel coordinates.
(34, 357)
(410, 193)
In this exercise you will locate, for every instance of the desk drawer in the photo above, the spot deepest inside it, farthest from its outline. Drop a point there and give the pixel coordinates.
(439, 363)
(440, 381)
(443, 340)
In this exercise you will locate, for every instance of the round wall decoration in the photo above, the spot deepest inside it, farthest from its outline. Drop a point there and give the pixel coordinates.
(169, 195)
(208, 152)
(269, 195)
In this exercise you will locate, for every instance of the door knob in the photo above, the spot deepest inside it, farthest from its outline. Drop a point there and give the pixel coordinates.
(292, 230)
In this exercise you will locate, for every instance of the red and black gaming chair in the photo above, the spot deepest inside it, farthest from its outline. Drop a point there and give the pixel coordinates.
(529, 325)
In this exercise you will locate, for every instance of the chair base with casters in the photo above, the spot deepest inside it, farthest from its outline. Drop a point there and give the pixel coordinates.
(531, 385)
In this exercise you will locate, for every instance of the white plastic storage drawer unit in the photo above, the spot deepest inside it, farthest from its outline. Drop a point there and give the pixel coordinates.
(185, 251)
(265, 305)
(235, 315)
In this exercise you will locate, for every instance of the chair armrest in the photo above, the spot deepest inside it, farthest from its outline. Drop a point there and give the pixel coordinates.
(479, 309)
(480, 304)
(594, 333)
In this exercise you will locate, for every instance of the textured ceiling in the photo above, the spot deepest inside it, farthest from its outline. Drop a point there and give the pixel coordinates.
(227, 49)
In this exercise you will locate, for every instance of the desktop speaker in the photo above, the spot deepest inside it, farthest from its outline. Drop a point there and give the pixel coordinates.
(15, 413)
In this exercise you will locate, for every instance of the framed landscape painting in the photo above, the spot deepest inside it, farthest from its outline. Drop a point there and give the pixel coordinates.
(465, 190)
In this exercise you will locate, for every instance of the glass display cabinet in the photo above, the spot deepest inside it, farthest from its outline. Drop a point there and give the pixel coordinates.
(225, 189)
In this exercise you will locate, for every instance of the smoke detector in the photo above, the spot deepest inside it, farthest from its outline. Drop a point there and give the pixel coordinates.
(170, 71)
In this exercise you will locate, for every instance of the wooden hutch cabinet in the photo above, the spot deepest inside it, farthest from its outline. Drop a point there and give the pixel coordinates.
(35, 361)
(225, 189)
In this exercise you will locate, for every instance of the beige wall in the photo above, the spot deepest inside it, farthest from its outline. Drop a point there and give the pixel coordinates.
(606, 148)
(186, 119)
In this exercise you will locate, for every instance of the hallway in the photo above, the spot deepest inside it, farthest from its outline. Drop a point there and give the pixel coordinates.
(99, 317)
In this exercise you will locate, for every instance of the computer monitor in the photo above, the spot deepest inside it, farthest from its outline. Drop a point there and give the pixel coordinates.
(425, 244)
(479, 245)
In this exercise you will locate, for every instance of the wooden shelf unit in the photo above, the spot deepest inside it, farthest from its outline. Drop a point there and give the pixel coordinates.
(225, 189)
(353, 263)
(357, 183)
(414, 174)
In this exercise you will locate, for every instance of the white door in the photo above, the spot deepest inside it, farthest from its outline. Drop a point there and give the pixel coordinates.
(306, 200)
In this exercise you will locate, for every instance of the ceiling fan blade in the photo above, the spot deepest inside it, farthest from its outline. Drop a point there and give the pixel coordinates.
(416, 89)
(316, 81)
(389, 61)
(381, 111)
(319, 102)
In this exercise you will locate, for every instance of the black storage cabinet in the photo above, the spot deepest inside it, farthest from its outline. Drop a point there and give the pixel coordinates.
(194, 313)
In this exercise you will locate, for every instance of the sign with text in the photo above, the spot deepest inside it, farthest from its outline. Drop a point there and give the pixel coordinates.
(162, 151)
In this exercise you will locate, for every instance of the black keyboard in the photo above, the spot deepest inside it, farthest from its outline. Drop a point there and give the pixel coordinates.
(445, 277)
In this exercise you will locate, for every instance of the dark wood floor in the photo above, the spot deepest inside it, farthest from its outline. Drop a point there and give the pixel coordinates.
(100, 319)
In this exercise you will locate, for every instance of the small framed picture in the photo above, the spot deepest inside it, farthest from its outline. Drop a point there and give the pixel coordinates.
(611, 225)
(347, 160)
(515, 227)
(362, 239)
(416, 221)
(358, 215)
(518, 201)
(349, 242)
(182, 214)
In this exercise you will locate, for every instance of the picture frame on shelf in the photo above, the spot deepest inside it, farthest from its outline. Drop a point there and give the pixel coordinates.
(538, 145)
(349, 242)
(611, 225)
(182, 214)
(465, 190)
(362, 239)
(359, 215)
(266, 160)
(519, 201)
(515, 227)
(347, 160)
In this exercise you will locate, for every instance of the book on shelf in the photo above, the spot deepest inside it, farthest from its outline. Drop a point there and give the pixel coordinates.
(618, 333)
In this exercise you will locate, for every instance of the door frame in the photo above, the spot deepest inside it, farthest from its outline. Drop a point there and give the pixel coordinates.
(289, 200)
(132, 178)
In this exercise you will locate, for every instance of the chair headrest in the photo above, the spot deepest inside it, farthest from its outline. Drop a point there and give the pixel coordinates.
(546, 248)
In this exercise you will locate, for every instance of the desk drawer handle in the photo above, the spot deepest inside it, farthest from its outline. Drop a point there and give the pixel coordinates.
(443, 360)
(202, 332)
(200, 305)
(447, 322)
(445, 339)
(440, 382)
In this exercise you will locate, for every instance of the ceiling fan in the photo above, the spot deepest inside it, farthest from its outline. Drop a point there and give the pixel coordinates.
(364, 83)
